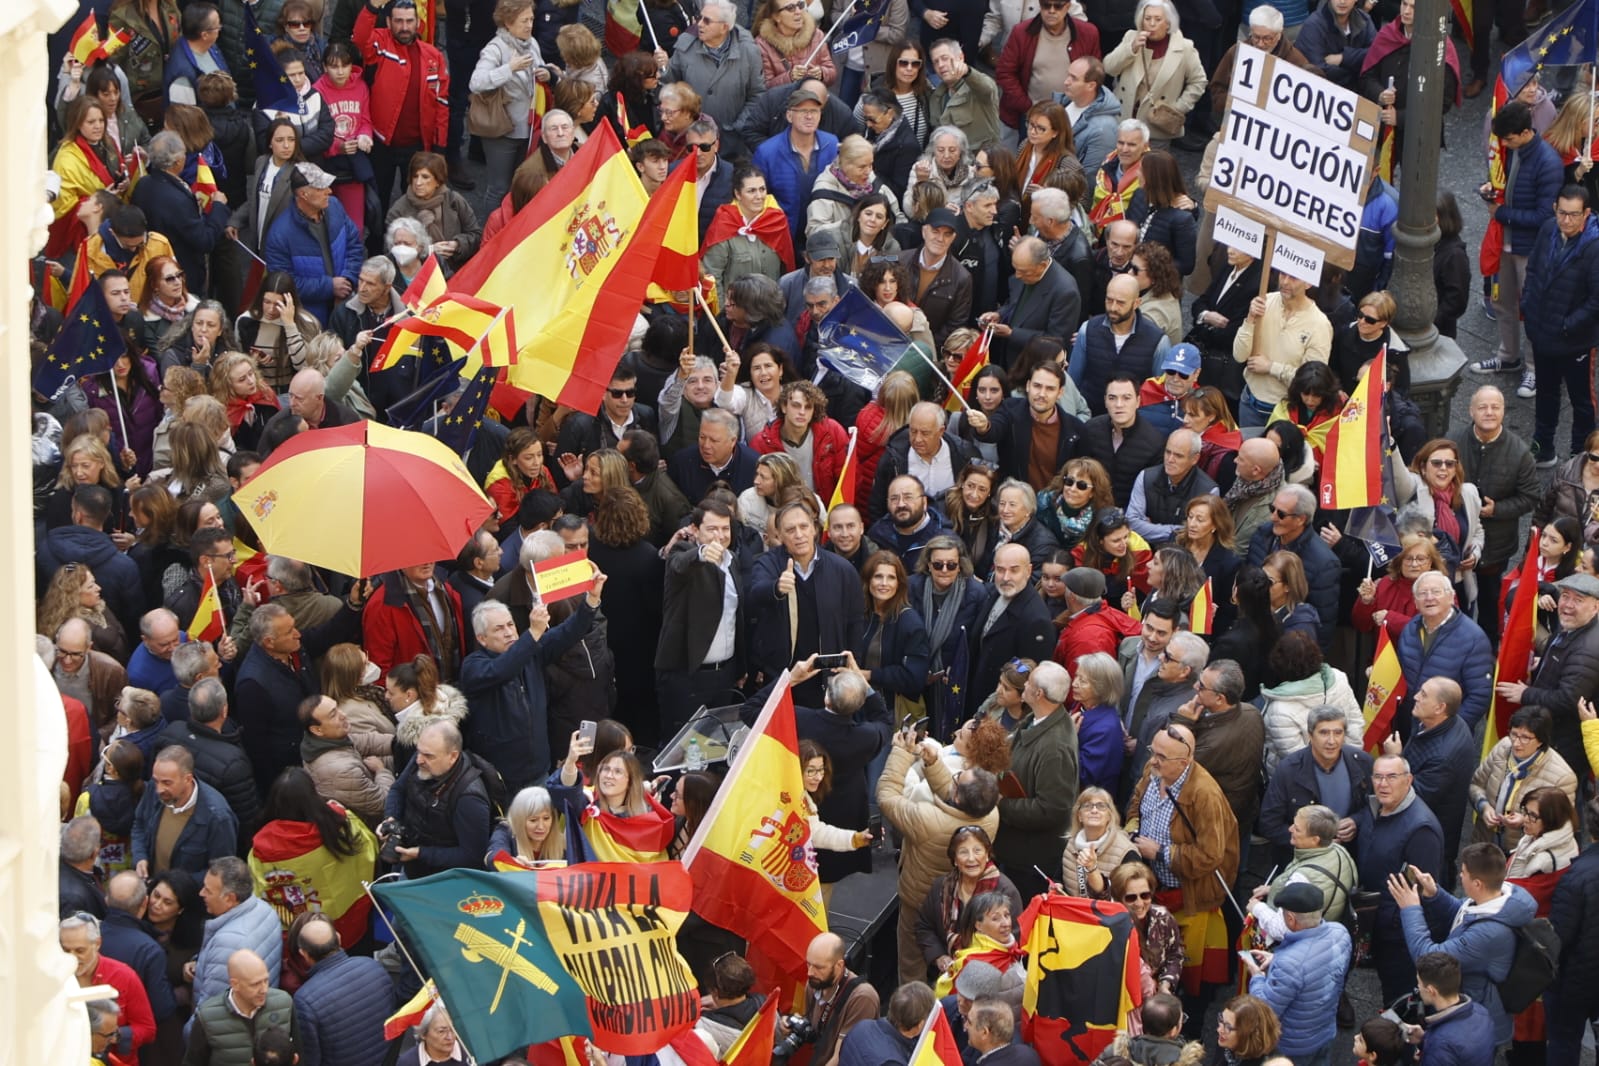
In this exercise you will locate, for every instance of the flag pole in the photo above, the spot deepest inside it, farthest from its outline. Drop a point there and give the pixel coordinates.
(839, 21)
(711, 318)
(953, 391)
(644, 18)
(116, 394)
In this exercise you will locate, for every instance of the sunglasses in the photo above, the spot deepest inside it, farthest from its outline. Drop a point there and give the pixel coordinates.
(944, 566)
(1442, 464)
(1369, 320)
(301, 24)
(1172, 733)
(1135, 897)
(173, 277)
(1280, 513)
(1112, 519)
(912, 63)
(1592, 458)
(622, 394)
(791, 7)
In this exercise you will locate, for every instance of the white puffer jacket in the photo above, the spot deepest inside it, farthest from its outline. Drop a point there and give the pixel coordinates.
(1288, 706)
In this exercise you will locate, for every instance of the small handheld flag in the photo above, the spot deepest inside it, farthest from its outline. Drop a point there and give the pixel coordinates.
(975, 359)
(844, 491)
(1202, 611)
(1384, 690)
(564, 576)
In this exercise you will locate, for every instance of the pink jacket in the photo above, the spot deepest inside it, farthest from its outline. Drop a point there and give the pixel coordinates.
(351, 108)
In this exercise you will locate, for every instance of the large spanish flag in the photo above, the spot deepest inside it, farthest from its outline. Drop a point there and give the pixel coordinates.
(291, 866)
(678, 268)
(1384, 689)
(752, 860)
(1351, 472)
(640, 838)
(1515, 647)
(575, 263)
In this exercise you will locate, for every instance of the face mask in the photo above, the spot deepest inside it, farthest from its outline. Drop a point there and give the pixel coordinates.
(369, 676)
(403, 254)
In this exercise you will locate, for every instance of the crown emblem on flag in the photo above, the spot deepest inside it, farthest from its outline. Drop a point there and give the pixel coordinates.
(264, 503)
(591, 236)
(478, 905)
(1352, 411)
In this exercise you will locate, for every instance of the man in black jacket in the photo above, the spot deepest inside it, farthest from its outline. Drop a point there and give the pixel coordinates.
(1013, 624)
(1039, 426)
(1121, 440)
(80, 851)
(1156, 506)
(979, 245)
(1044, 302)
(804, 601)
(1569, 670)
(719, 456)
(170, 208)
(925, 450)
(217, 745)
(1574, 997)
(702, 617)
(1297, 781)
(713, 174)
(1051, 216)
(441, 804)
(619, 412)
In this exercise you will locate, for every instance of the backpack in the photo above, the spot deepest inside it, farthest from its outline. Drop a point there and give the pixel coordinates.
(1532, 970)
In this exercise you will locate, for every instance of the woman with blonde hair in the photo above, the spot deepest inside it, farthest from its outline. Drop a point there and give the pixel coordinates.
(74, 593)
(1290, 590)
(196, 471)
(532, 831)
(1097, 685)
(582, 55)
(791, 45)
(178, 385)
(85, 461)
(773, 474)
(1208, 536)
(843, 184)
(887, 413)
(1096, 844)
(1390, 601)
(602, 469)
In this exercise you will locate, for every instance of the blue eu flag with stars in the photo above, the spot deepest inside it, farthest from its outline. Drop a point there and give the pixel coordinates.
(90, 342)
(457, 428)
(272, 89)
(860, 27)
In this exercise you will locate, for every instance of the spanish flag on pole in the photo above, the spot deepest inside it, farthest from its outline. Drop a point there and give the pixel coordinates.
(497, 346)
(678, 268)
(752, 860)
(936, 1046)
(1202, 611)
(1384, 689)
(1515, 648)
(975, 359)
(454, 316)
(844, 491)
(575, 263)
(754, 1045)
(428, 285)
(1351, 471)
(208, 623)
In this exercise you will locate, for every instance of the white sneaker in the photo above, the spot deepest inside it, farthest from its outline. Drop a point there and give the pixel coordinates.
(1529, 385)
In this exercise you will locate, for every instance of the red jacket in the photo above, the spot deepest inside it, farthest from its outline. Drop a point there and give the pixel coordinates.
(393, 74)
(1096, 629)
(830, 443)
(133, 1003)
(1394, 595)
(80, 745)
(1015, 68)
(393, 633)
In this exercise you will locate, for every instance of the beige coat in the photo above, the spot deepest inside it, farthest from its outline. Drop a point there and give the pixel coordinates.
(1550, 771)
(1177, 85)
(342, 775)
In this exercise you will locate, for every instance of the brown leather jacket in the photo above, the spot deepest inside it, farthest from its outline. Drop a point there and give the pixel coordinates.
(1195, 859)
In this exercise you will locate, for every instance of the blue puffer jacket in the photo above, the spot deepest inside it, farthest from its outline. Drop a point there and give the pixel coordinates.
(252, 925)
(1484, 942)
(291, 246)
(1560, 301)
(1529, 203)
(1460, 650)
(1459, 1035)
(1322, 569)
(341, 1008)
(1302, 985)
(787, 183)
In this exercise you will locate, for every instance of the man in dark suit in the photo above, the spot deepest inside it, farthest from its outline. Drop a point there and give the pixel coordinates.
(702, 618)
(477, 567)
(1123, 441)
(924, 449)
(1044, 301)
(1013, 624)
(852, 725)
(1038, 426)
(714, 179)
(805, 601)
(719, 456)
(619, 412)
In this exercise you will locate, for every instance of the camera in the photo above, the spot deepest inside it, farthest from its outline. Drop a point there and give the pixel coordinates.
(394, 836)
(800, 1033)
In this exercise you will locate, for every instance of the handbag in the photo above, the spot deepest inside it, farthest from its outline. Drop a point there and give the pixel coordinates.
(489, 114)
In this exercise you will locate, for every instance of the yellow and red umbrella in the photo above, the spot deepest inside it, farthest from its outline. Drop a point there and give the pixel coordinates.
(363, 499)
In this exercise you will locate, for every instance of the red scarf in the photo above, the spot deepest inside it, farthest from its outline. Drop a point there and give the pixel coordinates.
(1443, 506)
(66, 232)
(1035, 173)
(240, 410)
(770, 227)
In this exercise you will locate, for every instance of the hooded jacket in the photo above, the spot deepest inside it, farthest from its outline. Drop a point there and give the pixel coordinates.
(1287, 708)
(1481, 936)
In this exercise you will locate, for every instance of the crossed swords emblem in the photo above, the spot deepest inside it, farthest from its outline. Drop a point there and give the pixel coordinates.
(481, 947)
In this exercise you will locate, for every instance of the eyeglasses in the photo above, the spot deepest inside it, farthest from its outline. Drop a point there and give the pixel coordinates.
(944, 566)
(1369, 320)
(1534, 815)
(786, 8)
(1570, 214)
(1167, 657)
(622, 394)
(706, 20)
(62, 653)
(1522, 738)
(1095, 805)
(1137, 897)
(1385, 778)
(231, 554)
(1040, 127)
(912, 63)
(1221, 1023)
(173, 277)
(1052, 7)
(671, 111)
(1591, 457)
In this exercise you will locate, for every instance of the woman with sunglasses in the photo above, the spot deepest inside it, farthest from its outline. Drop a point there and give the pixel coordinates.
(906, 78)
(791, 45)
(1359, 342)
(949, 600)
(972, 874)
(1434, 490)
(1520, 764)
(969, 506)
(167, 300)
(1096, 845)
(1574, 492)
(1113, 548)
(1160, 940)
(1067, 507)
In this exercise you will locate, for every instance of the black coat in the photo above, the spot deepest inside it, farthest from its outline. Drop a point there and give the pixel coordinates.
(631, 601)
(1569, 670)
(895, 155)
(1293, 785)
(693, 475)
(1024, 630)
(1451, 276)
(1177, 230)
(170, 209)
(581, 434)
(1075, 255)
(266, 702)
(841, 613)
(79, 892)
(851, 743)
(1575, 915)
(1011, 427)
(691, 609)
(1143, 446)
(1053, 307)
(220, 761)
(767, 115)
(129, 941)
(895, 460)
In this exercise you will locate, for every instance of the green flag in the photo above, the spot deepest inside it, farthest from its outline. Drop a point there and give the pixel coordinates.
(480, 937)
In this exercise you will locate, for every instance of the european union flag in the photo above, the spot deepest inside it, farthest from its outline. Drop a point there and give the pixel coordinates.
(859, 28)
(272, 89)
(457, 428)
(952, 693)
(1568, 40)
(411, 411)
(89, 343)
(857, 340)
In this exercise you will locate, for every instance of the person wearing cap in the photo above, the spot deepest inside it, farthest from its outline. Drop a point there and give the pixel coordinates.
(794, 158)
(941, 284)
(1302, 979)
(1160, 398)
(315, 242)
(1044, 301)
(1568, 671)
(125, 242)
(1091, 623)
(410, 90)
(1157, 505)
(979, 980)
(821, 261)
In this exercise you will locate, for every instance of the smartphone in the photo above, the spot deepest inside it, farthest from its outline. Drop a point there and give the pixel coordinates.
(832, 662)
(1248, 959)
(919, 727)
(1410, 878)
(586, 730)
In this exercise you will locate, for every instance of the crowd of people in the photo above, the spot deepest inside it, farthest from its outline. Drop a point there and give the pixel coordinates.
(995, 650)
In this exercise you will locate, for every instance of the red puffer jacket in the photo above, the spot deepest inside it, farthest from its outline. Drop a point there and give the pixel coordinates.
(829, 445)
(393, 74)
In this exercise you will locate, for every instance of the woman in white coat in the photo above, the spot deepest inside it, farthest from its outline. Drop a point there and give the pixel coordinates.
(1303, 682)
(1159, 76)
(1434, 489)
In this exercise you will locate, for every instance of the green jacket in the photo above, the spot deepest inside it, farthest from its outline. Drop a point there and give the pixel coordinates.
(221, 1036)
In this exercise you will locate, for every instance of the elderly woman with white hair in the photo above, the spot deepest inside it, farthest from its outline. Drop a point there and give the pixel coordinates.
(1034, 816)
(433, 1043)
(1017, 506)
(406, 242)
(1159, 76)
(532, 831)
(947, 164)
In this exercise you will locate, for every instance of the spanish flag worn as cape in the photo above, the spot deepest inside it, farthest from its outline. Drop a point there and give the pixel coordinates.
(640, 838)
(1515, 648)
(1110, 201)
(983, 948)
(770, 227)
(295, 873)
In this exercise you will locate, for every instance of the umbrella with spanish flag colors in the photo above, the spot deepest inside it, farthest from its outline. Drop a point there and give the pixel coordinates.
(363, 499)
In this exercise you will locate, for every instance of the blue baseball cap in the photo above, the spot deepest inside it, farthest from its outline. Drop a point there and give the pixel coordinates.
(1183, 358)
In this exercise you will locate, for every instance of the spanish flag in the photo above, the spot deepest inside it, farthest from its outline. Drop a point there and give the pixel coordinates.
(1202, 611)
(623, 26)
(454, 316)
(205, 183)
(1384, 689)
(754, 1045)
(208, 623)
(497, 346)
(1351, 471)
(1385, 154)
(410, 1012)
(639, 838)
(975, 359)
(85, 40)
(81, 275)
(936, 1046)
(563, 576)
(983, 948)
(428, 285)
(585, 249)
(752, 859)
(290, 865)
(844, 491)
(636, 132)
(1515, 647)
(678, 268)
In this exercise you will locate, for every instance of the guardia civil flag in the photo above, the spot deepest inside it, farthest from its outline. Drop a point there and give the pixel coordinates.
(575, 263)
(295, 872)
(975, 359)
(208, 622)
(482, 939)
(844, 491)
(1384, 689)
(1351, 469)
(1515, 648)
(752, 860)
(936, 1045)
(1202, 611)
(754, 1045)
(1082, 976)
